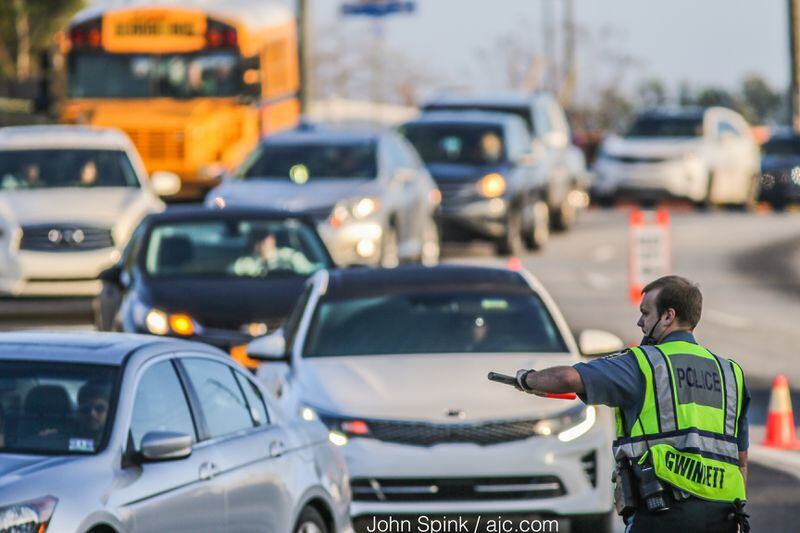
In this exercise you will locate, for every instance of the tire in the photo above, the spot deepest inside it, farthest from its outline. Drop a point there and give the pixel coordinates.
(707, 202)
(564, 217)
(390, 252)
(310, 521)
(593, 523)
(751, 201)
(431, 244)
(512, 243)
(538, 235)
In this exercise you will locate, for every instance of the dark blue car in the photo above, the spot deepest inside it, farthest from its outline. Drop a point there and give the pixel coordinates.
(780, 169)
(492, 187)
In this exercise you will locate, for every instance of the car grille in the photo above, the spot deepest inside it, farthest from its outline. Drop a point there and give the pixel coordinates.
(429, 434)
(452, 189)
(456, 489)
(589, 464)
(158, 143)
(64, 238)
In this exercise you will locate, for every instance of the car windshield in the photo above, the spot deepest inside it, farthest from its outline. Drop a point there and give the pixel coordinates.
(426, 323)
(52, 168)
(784, 146)
(666, 126)
(241, 248)
(469, 144)
(205, 74)
(55, 408)
(305, 162)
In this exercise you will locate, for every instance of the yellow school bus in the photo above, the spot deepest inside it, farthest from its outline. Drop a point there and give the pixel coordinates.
(193, 88)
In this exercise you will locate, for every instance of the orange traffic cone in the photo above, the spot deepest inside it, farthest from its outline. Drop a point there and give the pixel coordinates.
(780, 418)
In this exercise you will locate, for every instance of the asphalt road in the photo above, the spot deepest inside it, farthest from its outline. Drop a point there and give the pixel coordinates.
(748, 267)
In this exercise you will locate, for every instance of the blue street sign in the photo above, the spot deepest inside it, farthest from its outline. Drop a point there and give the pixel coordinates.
(379, 8)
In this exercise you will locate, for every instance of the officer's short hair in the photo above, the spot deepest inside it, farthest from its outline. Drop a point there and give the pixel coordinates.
(681, 295)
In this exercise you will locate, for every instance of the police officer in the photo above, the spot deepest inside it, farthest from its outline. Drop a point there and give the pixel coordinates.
(681, 416)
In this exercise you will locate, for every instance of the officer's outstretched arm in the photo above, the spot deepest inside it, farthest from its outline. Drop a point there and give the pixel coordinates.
(554, 380)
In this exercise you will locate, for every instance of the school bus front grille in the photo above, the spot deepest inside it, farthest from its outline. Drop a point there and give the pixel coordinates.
(158, 144)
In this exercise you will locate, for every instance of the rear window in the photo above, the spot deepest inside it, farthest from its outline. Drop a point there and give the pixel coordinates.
(306, 162)
(469, 144)
(789, 147)
(523, 112)
(427, 323)
(666, 126)
(54, 408)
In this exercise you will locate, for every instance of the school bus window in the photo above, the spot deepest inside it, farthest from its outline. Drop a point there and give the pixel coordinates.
(206, 74)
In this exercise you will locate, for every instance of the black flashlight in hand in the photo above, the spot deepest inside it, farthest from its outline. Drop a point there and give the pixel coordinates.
(511, 380)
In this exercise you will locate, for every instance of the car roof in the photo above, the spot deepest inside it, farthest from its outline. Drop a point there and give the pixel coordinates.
(465, 117)
(784, 134)
(361, 282)
(62, 136)
(695, 113)
(493, 100)
(83, 347)
(323, 134)
(180, 213)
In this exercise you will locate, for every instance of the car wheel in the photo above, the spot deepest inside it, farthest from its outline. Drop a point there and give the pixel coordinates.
(595, 523)
(564, 217)
(512, 242)
(431, 245)
(751, 201)
(708, 200)
(390, 250)
(310, 521)
(539, 234)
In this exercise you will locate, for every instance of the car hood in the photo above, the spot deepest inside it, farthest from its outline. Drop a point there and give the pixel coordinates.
(18, 467)
(659, 147)
(291, 196)
(425, 387)
(226, 300)
(97, 207)
(453, 172)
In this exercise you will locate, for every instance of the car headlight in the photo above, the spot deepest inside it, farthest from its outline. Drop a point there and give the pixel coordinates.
(564, 425)
(354, 209)
(32, 516)
(158, 322)
(492, 185)
(340, 428)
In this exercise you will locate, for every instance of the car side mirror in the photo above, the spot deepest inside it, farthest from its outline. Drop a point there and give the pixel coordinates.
(270, 347)
(166, 446)
(165, 183)
(112, 275)
(595, 342)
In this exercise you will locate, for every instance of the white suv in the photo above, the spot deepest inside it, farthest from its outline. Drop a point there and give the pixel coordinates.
(707, 156)
(70, 197)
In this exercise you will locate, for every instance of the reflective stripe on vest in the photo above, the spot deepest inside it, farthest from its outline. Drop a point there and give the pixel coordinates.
(689, 420)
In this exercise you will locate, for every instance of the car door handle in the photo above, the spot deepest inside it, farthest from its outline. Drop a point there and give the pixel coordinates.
(276, 448)
(208, 471)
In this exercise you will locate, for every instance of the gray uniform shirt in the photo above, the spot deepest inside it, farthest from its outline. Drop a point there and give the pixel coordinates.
(616, 381)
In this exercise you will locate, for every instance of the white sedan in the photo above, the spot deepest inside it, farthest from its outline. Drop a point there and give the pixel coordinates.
(395, 362)
(707, 156)
(70, 197)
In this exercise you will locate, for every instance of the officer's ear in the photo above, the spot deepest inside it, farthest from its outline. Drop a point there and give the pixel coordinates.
(670, 316)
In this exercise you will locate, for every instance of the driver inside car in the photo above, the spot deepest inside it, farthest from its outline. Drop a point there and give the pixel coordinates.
(267, 256)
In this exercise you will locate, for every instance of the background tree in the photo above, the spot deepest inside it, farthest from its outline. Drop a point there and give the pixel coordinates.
(27, 28)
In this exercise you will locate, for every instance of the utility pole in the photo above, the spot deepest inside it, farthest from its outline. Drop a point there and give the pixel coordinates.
(304, 53)
(794, 43)
(568, 80)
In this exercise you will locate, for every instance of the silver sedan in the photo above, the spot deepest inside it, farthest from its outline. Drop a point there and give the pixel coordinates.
(113, 432)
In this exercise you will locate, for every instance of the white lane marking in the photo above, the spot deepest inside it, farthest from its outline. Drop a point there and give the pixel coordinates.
(598, 281)
(603, 254)
(725, 319)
